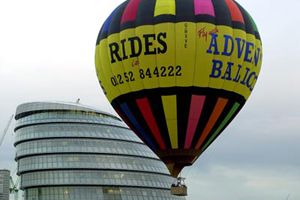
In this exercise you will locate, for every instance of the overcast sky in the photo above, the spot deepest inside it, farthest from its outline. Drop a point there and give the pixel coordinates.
(47, 53)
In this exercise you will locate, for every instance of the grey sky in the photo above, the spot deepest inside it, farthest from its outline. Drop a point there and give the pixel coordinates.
(47, 53)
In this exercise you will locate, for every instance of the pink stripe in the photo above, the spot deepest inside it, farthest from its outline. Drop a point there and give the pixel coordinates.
(130, 11)
(204, 7)
(196, 107)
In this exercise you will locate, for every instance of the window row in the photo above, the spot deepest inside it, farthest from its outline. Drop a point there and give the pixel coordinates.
(86, 161)
(98, 193)
(83, 146)
(67, 116)
(75, 130)
(89, 177)
(54, 106)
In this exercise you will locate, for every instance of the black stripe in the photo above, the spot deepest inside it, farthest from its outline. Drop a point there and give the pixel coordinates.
(183, 109)
(185, 10)
(159, 115)
(205, 18)
(238, 25)
(208, 108)
(176, 91)
(164, 18)
(128, 25)
(223, 16)
(145, 13)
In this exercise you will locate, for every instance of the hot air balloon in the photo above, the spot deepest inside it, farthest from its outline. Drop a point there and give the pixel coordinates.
(178, 71)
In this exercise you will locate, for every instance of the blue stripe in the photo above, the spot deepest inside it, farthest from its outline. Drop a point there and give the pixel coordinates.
(136, 125)
(108, 20)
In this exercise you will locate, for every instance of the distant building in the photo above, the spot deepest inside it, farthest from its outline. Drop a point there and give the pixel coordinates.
(4, 184)
(73, 152)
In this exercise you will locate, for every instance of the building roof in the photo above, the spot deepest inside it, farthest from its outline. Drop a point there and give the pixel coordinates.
(27, 108)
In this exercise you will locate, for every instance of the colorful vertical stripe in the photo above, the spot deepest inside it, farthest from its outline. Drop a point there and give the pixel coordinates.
(196, 107)
(204, 7)
(219, 107)
(229, 116)
(145, 108)
(130, 11)
(165, 7)
(235, 12)
(170, 109)
(130, 116)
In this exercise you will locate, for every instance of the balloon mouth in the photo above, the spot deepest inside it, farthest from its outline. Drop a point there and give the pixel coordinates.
(177, 159)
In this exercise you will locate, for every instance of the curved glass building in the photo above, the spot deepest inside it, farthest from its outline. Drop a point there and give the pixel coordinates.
(73, 152)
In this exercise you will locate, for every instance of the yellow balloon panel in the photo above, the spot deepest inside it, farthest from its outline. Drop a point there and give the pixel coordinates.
(180, 55)
(166, 61)
(185, 44)
(202, 71)
(147, 63)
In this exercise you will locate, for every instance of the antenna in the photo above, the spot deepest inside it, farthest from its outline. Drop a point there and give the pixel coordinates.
(5, 130)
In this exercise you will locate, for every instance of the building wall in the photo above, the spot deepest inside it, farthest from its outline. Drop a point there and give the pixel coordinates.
(73, 152)
(4, 184)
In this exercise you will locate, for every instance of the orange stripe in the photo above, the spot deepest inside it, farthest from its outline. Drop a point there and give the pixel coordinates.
(219, 107)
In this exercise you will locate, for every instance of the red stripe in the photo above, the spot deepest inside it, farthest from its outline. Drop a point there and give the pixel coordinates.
(235, 12)
(196, 107)
(145, 109)
(130, 11)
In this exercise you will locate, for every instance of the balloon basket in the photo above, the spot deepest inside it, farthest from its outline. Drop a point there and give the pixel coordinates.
(179, 188)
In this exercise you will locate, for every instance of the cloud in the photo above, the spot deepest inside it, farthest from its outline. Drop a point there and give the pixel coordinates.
(256, 157)
(243, 183)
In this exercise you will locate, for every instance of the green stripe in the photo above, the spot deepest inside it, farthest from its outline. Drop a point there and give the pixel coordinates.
(223, 124)
(252, 21)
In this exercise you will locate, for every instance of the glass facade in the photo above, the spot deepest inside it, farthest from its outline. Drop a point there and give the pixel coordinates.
(74, 130)
(4, 184)
(90, 161)
(73, 152)
(98, 193)
(81, 146)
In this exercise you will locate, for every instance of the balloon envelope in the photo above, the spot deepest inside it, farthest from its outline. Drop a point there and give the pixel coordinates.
(178, 71)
